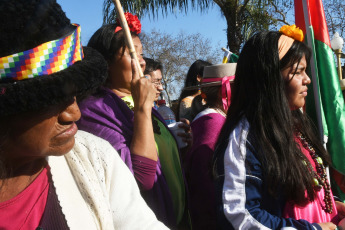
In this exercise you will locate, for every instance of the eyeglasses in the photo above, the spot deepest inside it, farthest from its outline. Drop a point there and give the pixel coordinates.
(157, 83)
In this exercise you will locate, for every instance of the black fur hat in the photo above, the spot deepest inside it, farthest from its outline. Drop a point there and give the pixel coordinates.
(25, 24)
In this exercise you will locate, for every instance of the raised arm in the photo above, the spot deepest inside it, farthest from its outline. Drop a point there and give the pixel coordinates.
(143, 93)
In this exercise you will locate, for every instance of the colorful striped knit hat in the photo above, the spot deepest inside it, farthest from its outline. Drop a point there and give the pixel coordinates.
(42, 61)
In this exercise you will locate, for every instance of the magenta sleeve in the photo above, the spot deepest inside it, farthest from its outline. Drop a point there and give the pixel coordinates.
(144, 171)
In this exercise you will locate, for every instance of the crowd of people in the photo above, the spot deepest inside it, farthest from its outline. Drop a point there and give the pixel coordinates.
(82, 145)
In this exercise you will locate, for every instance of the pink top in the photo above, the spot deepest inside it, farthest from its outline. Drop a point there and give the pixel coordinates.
(25, 210)
(312, 211)
(144, 170)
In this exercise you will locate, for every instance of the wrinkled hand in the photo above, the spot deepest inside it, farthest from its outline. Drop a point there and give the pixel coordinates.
(327, 226)
(143, 91)
(187, 134)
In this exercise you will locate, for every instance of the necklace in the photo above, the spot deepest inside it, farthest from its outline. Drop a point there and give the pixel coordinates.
(320, 176)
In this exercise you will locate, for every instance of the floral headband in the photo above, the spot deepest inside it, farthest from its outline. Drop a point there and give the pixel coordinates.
(45, 59)
(133, 23)
(289, 35)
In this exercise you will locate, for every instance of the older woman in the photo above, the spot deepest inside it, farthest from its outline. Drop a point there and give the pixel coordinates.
(53, 176)
(124, 116)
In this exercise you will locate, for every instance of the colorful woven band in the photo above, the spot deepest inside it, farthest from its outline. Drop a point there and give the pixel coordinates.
(226, 89)
(45, 59)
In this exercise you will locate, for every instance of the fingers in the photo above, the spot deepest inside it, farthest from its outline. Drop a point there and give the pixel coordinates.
(187, 138)
(184, 135)
(135, 72)
(185, 124)
(142, 89)
(327, 226)
(184, 120)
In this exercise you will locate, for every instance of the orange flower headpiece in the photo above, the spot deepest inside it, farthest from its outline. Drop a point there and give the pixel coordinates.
(132, 21)
(293, 32)
(289, 35)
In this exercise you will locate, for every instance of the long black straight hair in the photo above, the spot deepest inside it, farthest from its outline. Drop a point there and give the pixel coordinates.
(195, 70)
(259, 96)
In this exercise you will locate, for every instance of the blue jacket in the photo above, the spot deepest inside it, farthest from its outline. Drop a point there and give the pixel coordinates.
(243, 201)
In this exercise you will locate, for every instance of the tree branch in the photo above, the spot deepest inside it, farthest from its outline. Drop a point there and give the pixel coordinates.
(283, 20)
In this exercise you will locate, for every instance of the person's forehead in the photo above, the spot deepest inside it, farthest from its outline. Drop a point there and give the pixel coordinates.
(156, 75)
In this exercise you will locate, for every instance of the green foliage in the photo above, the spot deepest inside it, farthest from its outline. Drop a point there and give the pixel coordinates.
(244, 17)
(152, 7)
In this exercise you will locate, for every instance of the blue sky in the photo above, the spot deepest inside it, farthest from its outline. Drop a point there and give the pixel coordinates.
(211, 24)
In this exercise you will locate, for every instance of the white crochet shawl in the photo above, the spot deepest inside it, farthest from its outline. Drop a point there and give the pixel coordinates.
(96, 190)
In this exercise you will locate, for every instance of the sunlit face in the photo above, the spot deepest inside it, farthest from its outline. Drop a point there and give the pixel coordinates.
(296, 84)
(156, 79)
(120, 69)
(40, 134)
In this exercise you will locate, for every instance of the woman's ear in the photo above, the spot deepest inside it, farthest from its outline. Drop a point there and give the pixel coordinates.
(198, 78)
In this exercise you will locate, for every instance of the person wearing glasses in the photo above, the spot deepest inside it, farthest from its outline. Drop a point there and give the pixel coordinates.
(154, 70)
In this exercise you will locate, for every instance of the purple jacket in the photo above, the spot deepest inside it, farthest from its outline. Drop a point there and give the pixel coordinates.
(106, 115)
(197, 167)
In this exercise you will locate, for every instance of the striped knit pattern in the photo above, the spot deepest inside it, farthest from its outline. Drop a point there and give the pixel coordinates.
(45, 59)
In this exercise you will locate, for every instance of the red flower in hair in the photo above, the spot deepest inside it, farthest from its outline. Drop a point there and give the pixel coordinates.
(132, 21)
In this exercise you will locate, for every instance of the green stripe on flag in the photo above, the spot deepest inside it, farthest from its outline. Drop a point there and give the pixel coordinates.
(331, 96)
(333, 104)
(333, 108)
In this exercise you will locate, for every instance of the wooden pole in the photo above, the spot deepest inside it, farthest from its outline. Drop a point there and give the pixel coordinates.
(128, 36)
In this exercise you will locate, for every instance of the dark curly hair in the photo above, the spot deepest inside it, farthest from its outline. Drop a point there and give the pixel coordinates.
(25, 24)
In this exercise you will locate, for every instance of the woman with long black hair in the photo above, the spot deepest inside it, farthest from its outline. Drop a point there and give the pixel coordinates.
(269, 161)
(193, 78)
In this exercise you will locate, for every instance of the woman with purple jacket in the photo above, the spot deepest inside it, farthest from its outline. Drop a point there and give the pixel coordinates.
(121, 112)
